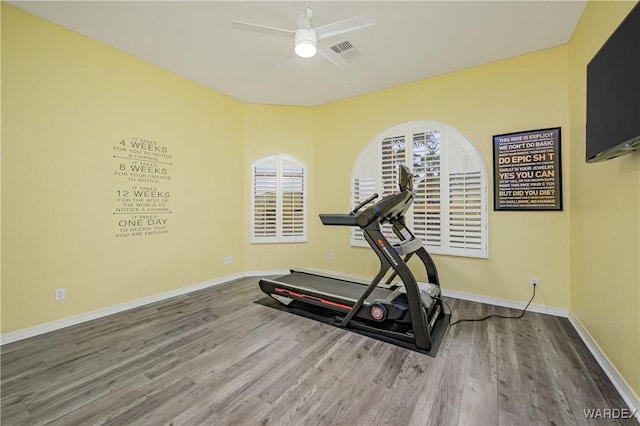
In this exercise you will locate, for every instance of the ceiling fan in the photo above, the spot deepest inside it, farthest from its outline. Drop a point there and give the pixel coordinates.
(307, 39)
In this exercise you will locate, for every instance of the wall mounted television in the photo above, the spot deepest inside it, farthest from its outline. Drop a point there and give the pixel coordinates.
(613, 93)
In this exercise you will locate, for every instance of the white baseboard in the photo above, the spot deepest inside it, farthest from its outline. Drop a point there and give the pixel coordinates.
(506, 303)
(110, 310)
(610, 370)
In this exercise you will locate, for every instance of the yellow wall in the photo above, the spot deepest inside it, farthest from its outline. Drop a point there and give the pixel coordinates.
(268, 130)
(67, 102)
(0, 175)
(605, 215)
(523, 93)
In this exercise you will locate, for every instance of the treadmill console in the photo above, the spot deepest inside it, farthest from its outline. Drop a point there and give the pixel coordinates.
(406, 178)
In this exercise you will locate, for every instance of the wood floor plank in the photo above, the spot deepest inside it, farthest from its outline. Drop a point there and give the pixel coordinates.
(294, 405)
(250, 411)
(168, 412)
(407, 389)
(428, 392)
(446, 406)
(151, 402)
(479, 403)
(14, 414)
(391, 367)
(368, 406)
(122, 405)
(216, 357)
(482, 348)
(291, 367)
(332, 405)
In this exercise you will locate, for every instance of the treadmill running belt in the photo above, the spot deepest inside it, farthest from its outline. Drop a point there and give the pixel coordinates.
(348, 290)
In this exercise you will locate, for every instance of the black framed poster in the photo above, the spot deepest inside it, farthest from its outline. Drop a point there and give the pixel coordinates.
(527, 170)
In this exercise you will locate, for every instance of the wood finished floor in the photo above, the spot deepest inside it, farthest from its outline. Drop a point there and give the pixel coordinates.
(215, 357)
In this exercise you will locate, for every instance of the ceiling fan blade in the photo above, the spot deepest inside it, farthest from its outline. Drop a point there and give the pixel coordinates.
(286, 58)
(345, 26)
(332, 56)
(245, 26)
(301, 12)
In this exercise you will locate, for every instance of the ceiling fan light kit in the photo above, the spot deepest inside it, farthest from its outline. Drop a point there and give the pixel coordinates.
(306, 41)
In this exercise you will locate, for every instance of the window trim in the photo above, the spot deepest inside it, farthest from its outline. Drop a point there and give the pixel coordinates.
(447, 134)
(280, 160)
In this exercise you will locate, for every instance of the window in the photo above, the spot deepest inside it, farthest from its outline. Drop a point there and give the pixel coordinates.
(449, 211)
(278, 200)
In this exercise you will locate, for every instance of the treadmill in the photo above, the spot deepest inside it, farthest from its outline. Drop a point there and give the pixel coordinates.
(404, 313)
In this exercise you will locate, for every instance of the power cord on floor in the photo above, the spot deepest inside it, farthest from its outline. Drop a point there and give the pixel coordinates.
(488, 316)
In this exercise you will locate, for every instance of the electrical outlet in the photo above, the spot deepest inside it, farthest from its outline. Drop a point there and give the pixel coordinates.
(230, 260)
(331, 256)
(534, 282)
(227, 260)
(60, 294)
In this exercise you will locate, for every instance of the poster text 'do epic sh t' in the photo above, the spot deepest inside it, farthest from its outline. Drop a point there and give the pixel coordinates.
(527, 170)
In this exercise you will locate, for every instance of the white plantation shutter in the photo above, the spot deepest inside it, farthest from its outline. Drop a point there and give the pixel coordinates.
(292, 200)
(449, 211)
(467, 224)
(393, 151)
(278, 200)
(393, 154)
(265, 186)
(362, 189)
(426, 205)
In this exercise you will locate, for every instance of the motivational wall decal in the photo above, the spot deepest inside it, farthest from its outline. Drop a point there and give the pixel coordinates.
(143, 197)
(527, 170)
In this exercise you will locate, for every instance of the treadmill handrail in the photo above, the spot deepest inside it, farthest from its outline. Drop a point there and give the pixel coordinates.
(339, 219)
(388, 209)
(364, 203)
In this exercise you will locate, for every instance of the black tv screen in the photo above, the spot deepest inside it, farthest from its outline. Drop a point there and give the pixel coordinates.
(613, 93)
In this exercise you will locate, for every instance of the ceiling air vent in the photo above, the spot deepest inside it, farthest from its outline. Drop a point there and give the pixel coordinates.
(346, 50)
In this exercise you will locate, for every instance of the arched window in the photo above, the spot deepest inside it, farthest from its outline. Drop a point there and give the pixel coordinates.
(278, 200)
(449, 212)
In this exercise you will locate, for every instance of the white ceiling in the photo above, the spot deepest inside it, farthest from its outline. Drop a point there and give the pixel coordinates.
(413, 40)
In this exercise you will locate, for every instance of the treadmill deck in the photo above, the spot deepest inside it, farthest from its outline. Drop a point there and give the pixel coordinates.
(347, 290)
